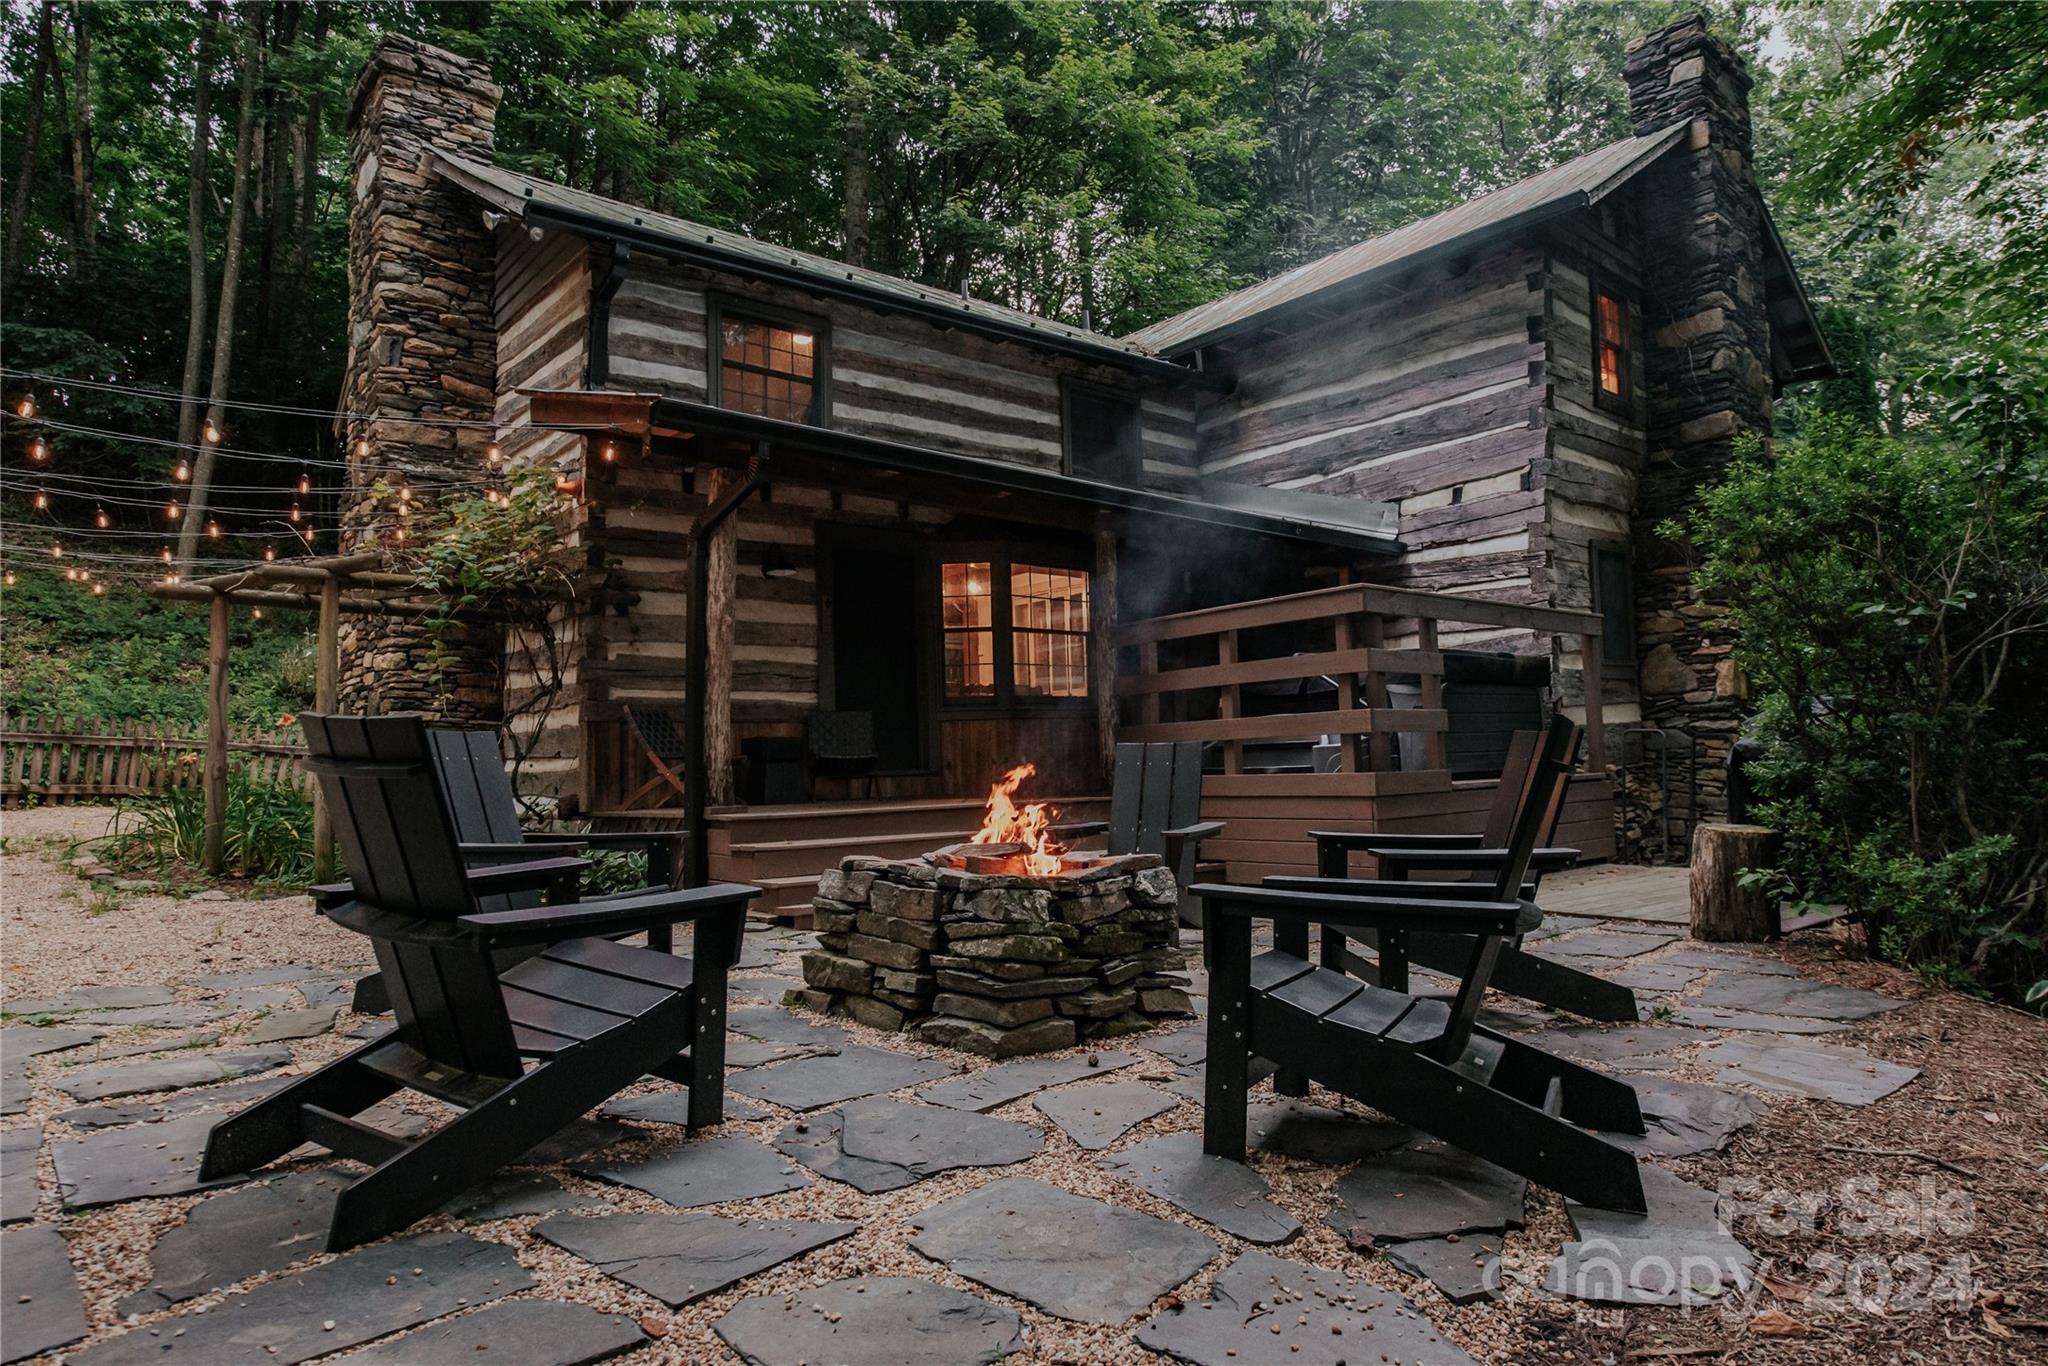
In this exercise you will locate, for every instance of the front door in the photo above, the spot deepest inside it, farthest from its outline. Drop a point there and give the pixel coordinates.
(876, 665)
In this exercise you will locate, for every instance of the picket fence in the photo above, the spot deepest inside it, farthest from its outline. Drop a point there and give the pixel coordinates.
(70, 760)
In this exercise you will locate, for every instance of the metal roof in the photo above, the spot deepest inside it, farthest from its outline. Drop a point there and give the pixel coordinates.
(1579, 182)
(544, 202)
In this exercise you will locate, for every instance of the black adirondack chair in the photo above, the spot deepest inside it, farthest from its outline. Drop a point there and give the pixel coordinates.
(1479, 857)
(520, 1052)
(1422, 1061)
(661, 743)
(1155, 807)
(841, 744)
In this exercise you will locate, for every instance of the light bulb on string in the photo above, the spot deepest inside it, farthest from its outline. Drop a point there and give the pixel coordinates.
(213, 529)
(610, 452)
(183, 470)
(492, 455)
(39, 450)
(212, 432)
(170, 578)
(362, 448)
(101, 520)
(26, 407)
(405, 493)
(71, 576)
(42, 500)
(172, 511)
(305, 483)
(256, 612)
(294, 514)
(270, 552)
(164, 554)
(56, 550)
(99, 590)
(10, 578)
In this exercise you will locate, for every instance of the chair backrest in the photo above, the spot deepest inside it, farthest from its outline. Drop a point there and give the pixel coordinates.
(1157, 787)
(658, 731)
(1537, 806)
(1514, 780)
(382, 789)
(480, 798)
(840, 734)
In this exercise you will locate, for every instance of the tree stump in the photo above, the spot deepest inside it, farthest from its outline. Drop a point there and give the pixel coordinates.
(1722, 908)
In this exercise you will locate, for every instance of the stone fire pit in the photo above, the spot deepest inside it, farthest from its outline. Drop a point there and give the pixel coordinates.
(959, 951)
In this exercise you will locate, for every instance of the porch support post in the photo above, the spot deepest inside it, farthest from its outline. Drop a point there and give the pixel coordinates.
(1591, 663)
(708, 687)
(213, 854)
(326, 678)
(1102, 604)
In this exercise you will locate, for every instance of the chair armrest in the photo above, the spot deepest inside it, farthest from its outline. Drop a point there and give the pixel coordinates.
(1080, 830)
(1382, 887)
(327, 895)
(1473, 860)
(1197, 832)
(1365, 839)
(532, 875)
(517, 853)
(611, 916)
(611, 839)
(1364, 912)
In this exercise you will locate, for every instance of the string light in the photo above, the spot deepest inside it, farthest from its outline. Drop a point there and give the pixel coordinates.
(213, 529)
(56, 551)
(362, 448)
(10, 578)
(212, 432)
(492, 455)
(173, 511)
(101, 520)
(71, 576)
(305, 483)
(27, 406)
(99, 590)
(405, 493)
(42, 500)
(183, 471)
(165, 554)
(39, 450)
(610, 452)
(294, 514)
(170, 578)
(270, 552)
(256, 612)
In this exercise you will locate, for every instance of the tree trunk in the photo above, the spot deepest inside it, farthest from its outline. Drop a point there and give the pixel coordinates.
(83, 224)
(854, 241)
(230, 273)
(720, 618)
(195, 229)
(31, 147)
(1722, 908)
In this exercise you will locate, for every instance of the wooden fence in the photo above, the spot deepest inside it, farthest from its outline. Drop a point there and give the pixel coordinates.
(68, 760)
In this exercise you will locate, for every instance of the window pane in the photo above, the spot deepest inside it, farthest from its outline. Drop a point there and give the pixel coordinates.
(1610, 327)
(1049, 619)
(967, 611)
(1104, 436)
(767, 369)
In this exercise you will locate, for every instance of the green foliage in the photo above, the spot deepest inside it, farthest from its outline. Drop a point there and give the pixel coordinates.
(1892, 608)
(268, 833)
(125, 657)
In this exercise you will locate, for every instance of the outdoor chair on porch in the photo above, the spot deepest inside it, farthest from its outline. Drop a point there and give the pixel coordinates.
(1479, 858)
(661, 744)
(841, 744)
(1421, 1061)
(1155, 807)
(520, 1051)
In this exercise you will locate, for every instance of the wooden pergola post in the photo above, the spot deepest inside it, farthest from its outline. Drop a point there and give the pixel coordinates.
(214, 854)
(326, 690)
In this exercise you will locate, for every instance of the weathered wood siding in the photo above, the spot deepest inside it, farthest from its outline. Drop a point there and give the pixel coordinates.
(1429, 396)
(542, 306)
(892, 376)
(1594, 453)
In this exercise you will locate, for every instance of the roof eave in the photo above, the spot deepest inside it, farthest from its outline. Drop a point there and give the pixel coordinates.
(672, 245)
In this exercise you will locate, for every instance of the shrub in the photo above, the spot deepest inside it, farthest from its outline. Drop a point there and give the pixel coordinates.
(268, 833)
(1892, 604)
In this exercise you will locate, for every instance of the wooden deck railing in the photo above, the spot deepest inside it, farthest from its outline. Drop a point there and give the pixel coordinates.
(1191, 669)
(69, 759)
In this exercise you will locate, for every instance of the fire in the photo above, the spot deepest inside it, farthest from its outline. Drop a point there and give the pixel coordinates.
(1030, 825)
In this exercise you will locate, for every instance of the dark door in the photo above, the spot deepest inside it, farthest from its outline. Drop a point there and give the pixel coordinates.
(875, 661)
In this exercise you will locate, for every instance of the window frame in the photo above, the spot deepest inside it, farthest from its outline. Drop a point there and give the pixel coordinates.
(1071, 385)
(1617, 652)
(719, 308)
(1002, 557)
(1600, 286)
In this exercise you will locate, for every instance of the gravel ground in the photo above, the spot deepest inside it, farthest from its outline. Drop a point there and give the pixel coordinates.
(1981, 1106)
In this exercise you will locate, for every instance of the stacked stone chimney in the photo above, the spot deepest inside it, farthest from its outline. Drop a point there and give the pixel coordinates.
(1707, 370)
(422, 354)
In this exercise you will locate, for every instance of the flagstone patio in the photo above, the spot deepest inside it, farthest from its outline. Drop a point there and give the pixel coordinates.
(872, 1199)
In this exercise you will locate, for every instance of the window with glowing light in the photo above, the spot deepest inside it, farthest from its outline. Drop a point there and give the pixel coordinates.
(1016, 631)
(767, 365)
(1611, 353)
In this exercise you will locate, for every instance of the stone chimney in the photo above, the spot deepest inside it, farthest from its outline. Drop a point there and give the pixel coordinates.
(1707, 352)
(422, 353)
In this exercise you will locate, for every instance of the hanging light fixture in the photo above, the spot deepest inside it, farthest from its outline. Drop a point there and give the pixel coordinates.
(776, 565)
(183, 470)
(212, 432)
(56, 550)
(294, 514)
(10, 578)
(101, 520)
(305, 483)
(39, 450)
(173, 511)
(27, 406)
(164, 554)
(362, 448)
(610, 453)
(213, 529)
(99, 590)
(270, 552)
(492, 455)
(42, 500)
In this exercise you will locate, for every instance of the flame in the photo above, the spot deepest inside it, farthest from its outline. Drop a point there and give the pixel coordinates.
(1030, 825)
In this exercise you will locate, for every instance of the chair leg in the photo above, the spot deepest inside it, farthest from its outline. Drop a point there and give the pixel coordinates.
(1226, 1074)
(1523, 974)
(1591, 1098)
(475, 1144)
(371, 997)
(1289, 937)
(271, 1127)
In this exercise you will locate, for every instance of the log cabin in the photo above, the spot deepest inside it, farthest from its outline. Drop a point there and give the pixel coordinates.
(1348, 526)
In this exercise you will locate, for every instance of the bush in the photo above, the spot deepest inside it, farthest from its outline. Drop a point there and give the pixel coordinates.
(268, 832)
(1892, 605)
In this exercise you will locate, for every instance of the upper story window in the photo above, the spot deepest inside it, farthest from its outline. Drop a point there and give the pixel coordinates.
(1103, 434)
(1016, 629)
(1610, 348)
(772, 365)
